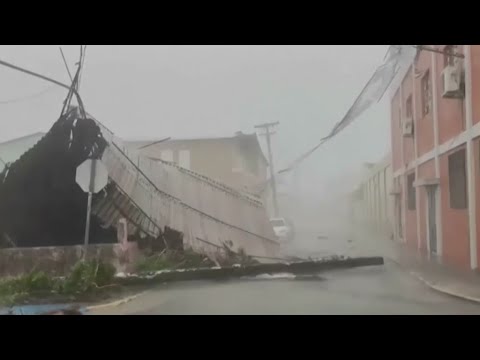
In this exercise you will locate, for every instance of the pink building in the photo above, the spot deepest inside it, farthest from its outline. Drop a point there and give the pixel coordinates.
(435, 125)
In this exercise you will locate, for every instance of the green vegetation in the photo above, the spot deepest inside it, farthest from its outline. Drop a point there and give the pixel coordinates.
(170, 259)
(188, 259)
(87, 277)
(18, 289)
(93, 279)
(86, 280)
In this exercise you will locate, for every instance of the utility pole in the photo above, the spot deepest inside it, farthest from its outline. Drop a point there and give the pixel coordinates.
(268, 133)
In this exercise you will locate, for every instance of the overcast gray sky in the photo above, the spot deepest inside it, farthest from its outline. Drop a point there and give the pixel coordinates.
(190, 91)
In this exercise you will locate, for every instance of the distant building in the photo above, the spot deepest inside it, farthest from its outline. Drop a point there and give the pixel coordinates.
(372, 200)
(11, 150)
(237, 161)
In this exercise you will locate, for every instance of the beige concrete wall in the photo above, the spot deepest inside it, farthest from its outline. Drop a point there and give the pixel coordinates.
(218, 159)
(59, 260)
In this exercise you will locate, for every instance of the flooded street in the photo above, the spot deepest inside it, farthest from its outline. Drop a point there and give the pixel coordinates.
(376, 290)
(384, 289)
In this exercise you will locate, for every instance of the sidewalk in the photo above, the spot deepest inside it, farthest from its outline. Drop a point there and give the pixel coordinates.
(464, 285)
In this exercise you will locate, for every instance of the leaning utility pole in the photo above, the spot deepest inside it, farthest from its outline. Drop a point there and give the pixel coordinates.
(268, 133)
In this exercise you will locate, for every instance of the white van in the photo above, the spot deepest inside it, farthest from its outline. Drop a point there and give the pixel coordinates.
(283, 229)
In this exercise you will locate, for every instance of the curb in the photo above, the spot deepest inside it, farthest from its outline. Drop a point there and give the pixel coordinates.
(437, 288)
(444, 290)
(237, 271)
(115, 303)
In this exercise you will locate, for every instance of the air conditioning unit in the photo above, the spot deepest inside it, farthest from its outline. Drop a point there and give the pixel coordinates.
(407, 128)
(453, 81)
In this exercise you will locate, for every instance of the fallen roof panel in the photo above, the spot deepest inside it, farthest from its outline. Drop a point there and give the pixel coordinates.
(152, 196)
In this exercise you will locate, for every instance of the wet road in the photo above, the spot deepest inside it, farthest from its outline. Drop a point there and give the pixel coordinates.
(373, 290)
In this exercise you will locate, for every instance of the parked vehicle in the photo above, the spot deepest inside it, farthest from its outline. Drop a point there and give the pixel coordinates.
(283, 228)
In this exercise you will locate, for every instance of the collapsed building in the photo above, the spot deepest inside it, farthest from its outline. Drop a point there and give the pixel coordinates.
(42, 205)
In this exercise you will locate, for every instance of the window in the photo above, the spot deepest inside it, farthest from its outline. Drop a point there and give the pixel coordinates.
(409, 107)
(411, 201)
(448, 60)
(184, 159)
(426, 93)
(457, 180)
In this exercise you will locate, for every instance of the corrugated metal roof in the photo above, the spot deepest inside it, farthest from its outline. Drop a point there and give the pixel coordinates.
(151, 195)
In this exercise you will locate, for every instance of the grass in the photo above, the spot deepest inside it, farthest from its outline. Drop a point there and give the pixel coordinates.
(85, 280)
(19, 289)
(94, 279)
(173, 260)
(188, 259)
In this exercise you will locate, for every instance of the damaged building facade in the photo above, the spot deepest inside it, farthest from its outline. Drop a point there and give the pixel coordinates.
(239, 160)
(41, 204)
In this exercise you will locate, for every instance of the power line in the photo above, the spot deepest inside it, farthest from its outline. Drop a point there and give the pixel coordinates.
(66, 65)
(268, 133)
(83, 50)
(380, 80)
(56, 82)
(153, 143)
(29, 72)
(370, 94)
(46, 78)
(27, 97)
(74, 87)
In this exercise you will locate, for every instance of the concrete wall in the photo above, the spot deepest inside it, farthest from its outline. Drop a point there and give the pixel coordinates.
(219, 159)
(451, 124)
(59, 260)
(475, 60)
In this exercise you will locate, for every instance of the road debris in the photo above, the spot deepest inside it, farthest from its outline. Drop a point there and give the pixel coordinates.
(239, 271)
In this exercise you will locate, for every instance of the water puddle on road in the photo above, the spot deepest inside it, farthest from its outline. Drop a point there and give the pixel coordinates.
(38, 309)
(285, 276)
